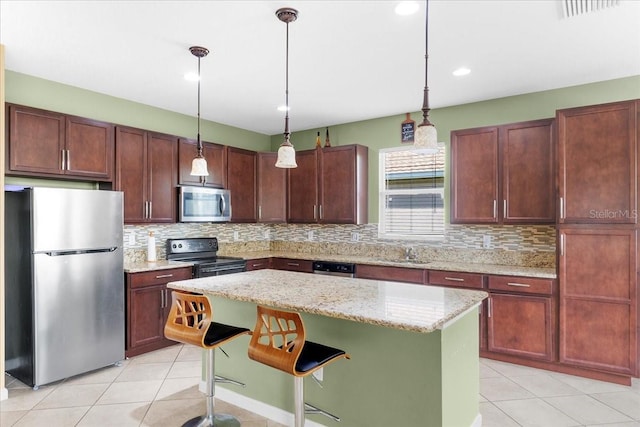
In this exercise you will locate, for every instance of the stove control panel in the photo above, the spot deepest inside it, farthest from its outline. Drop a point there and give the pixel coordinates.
(192, 245)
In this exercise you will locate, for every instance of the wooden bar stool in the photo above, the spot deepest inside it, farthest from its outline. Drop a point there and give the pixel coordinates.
(278, 340)
(190, 321)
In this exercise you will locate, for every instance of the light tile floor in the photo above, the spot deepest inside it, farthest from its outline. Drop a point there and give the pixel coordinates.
(161, 389)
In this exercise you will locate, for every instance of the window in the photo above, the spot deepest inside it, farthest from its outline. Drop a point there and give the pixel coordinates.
(411, 193)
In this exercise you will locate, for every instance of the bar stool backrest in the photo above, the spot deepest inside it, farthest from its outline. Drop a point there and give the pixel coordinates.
(277, 339)
(189, 318)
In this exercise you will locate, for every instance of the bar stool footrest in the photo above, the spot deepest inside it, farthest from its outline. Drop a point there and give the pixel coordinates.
(224, 380)
(219, 420)
(310, 409)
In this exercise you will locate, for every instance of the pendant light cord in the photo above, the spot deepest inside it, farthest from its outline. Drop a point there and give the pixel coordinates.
(425, 102)
(286, 90)
(199, 141)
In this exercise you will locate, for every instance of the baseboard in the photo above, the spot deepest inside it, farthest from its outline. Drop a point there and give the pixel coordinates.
(478, 421)
(257, 407)
(4, 394)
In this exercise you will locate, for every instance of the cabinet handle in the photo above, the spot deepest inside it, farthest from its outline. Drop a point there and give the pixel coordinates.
(521, 285)
(495, 208)
(63, 154)
(561, 244)
(259, 212)
(293, 264)
(259, 264)
(163, 276)
(504, 208)
(314, 212)
(489, 307)
(320, 211)
(454, 279)
(561, 207)
(68, 159)
(146, 209)
(150, 210)
(162, 296)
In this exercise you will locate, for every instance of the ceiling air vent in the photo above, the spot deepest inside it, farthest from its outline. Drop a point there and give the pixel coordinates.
(580, 7)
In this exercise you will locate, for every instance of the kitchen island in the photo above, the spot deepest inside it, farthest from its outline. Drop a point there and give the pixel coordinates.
(414, 348)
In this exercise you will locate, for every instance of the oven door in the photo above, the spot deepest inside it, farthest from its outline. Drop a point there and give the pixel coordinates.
(208, 270)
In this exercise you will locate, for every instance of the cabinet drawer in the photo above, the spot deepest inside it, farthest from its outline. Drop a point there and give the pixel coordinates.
(258, 264)
(302, 265)
(450, 278)
(527, 285)
(158, 277)
(396, 274)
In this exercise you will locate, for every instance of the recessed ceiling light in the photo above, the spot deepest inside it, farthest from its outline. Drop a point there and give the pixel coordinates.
(191, 77)
(283, 108)
(462, 71)
(404, 8)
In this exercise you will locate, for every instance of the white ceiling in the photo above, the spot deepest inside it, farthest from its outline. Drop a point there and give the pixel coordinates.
(349, 60)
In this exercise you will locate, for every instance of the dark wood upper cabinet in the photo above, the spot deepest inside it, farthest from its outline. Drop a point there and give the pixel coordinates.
(503, 174)
(272, 190)
(330, 186)
(216, 157)
(146, 171)
(597, 163)
(241, 182)
(47, 144)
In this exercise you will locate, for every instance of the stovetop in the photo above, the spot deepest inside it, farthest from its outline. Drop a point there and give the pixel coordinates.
(198, 250)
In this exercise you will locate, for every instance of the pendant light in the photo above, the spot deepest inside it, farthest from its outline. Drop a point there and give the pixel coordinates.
(286, 152)
(426, 137)
(199, 163)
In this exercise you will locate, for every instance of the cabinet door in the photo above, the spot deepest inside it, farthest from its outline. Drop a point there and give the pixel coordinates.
(521, 325)
(258, 264)
(216, 157)
(241, 181)
(146, 315)
(343, 198)
(36, 141)
(528, 172)
(131, 172)
(597, 163)
(272, 189)
(598, 298)
(162, 158)
(474, 175)
(302, 188)
(90, 148)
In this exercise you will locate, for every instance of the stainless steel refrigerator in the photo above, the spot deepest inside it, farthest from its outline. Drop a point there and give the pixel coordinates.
(64, 290)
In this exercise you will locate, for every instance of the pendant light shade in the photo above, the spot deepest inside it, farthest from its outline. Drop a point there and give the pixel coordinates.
(199, 163)
(286, 152)
(426, 137)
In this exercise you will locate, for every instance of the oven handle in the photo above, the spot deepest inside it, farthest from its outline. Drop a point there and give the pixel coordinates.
(222, 268)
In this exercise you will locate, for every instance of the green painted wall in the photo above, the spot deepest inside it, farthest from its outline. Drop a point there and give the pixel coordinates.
(35, 92)
(384, 132)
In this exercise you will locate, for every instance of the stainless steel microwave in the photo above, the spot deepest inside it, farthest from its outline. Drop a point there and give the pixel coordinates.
(201, 204)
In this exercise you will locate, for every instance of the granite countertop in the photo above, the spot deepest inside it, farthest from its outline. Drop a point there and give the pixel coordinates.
(466, 267)
(402, 306)
(161, 264)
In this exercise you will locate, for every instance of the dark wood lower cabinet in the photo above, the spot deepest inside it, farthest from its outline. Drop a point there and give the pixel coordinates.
(290, 264)
(521, 325)
(148, 304)
(258, 264)
(394, 274)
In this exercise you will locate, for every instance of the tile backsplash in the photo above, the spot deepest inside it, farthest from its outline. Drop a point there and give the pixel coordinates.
(511, 245)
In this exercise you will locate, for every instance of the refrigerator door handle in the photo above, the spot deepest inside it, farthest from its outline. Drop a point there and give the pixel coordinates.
(78, 252)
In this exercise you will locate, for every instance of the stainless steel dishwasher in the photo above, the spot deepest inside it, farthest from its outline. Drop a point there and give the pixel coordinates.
(344, 269)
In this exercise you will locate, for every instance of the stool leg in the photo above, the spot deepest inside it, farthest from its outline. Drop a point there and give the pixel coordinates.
(211, 418)
(298, 391)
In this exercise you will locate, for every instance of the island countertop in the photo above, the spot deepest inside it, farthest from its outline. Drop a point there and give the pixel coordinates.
(410, 307)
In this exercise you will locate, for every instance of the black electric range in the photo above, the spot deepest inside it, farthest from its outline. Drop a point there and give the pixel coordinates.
(202, 252)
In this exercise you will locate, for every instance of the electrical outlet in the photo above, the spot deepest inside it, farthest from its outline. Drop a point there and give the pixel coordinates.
(486, 241)
(236, 235)
(355, 236)
(310, 235)
(319, 374)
